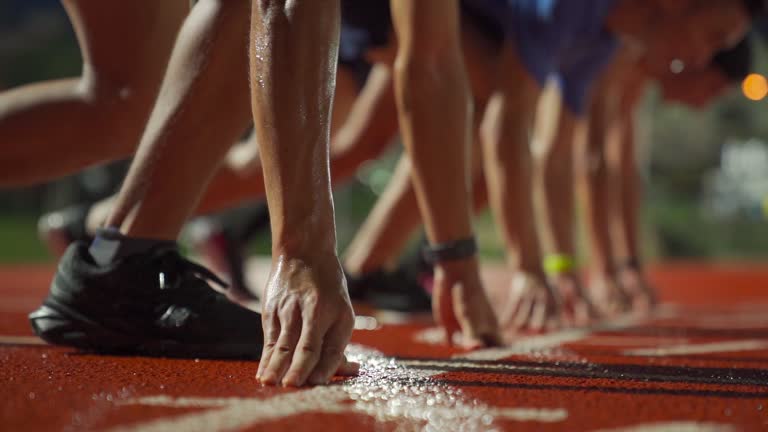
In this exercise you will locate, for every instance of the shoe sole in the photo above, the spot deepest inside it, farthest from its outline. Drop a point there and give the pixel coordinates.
(59, 325)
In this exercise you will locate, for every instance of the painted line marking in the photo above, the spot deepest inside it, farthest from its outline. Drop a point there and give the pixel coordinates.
(21, 340)
(681, 426)
(706, 348)
(385, 390)
(529, 345)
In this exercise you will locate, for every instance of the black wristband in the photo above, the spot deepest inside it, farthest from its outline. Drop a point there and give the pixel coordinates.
(450, 251)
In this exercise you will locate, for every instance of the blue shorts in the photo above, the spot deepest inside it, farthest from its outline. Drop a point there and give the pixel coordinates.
(367, 24)
(565, 39)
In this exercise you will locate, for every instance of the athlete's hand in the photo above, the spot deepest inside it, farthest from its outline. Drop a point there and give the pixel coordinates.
(532, 305)
(307, 320)
(641, 295)
(459, 303)
(576, 309)
(607, 296)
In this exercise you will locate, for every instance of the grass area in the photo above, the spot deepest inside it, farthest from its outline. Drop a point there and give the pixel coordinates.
(684, 231)
(19, 240)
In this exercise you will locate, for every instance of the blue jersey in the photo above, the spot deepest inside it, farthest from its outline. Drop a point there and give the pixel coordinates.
(566, 39)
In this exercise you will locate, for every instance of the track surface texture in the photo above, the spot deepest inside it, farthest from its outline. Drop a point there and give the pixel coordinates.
(699, 363)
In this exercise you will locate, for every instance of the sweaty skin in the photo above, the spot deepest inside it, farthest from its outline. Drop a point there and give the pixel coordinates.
(98, 116)
(143, 209)
(409, 72)
(307, 315)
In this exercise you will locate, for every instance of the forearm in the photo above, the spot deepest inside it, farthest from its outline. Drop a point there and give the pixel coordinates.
(630, 190)
(557, 179)
(293, 67)
(508, 165)
(594, 177)
(437, 140)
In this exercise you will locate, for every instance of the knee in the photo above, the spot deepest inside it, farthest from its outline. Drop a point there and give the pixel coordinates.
(103, 90)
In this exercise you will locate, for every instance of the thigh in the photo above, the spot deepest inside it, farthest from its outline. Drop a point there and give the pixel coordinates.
(123, 41)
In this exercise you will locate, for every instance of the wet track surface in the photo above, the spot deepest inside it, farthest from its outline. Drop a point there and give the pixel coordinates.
(700, 363)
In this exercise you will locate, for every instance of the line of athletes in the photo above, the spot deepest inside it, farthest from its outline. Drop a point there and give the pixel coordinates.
(174, 81)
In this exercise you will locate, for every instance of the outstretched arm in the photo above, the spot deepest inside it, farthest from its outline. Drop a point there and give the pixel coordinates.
(435, 121)
(307, 315)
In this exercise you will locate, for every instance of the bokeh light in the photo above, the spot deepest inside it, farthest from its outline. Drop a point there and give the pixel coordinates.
(755, 87)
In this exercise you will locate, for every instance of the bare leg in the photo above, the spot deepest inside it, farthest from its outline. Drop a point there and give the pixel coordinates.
(367, 125)
(182, 146)
(364, 127)
(100, 115)
(243, 157)
(388, 227)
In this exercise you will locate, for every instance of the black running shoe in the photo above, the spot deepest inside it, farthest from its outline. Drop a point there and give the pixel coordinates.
(60, 228)
(154, 303)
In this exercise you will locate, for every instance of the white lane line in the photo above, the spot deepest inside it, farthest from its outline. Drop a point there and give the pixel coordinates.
(705, 348)
(551, 343)
(540, 415)
(21, 340)
(540, 344)
(386, 390)
(182, 402)
(680, 426)
(632, 340)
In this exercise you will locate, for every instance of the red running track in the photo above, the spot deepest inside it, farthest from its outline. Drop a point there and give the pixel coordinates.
(700, 363)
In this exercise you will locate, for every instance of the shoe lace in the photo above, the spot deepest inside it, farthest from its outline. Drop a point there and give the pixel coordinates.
(176, 269)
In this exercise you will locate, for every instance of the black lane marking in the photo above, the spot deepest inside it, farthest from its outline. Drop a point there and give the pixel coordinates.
(621, 372)
(726, 394)
(701, 357)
